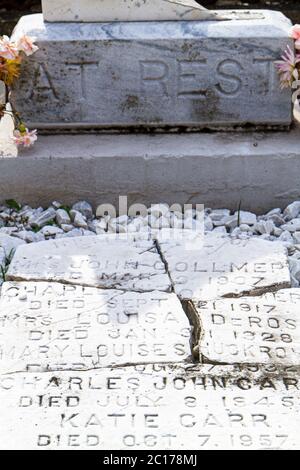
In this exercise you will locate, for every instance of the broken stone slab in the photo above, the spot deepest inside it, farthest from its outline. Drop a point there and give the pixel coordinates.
(220, 266)
(264, 329)
(154, 75)
(126, 10)
(103, 261)
(152, 407)
(8, 245)
(49, 326)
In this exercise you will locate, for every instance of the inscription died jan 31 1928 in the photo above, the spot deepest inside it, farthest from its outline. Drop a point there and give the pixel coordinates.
(152, 407)
(154, 74)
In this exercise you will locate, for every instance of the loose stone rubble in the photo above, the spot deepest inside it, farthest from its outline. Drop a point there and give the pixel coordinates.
(152, 407)
(157, 336)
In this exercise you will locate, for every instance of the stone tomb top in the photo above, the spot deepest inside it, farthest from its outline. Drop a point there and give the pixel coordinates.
(151, 407)
(103, 261)
(263, 329)
(219, 266)
(50, 326)
(126, 10)
(158, 75)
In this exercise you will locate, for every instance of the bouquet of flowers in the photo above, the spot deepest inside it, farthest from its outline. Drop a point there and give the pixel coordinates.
(289, 65)
(11, 56)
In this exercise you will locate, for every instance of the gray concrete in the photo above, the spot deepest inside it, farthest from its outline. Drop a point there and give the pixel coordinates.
(220, 170)
(200, 74)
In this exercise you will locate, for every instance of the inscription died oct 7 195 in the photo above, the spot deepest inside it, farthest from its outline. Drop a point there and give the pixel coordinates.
(152, 407)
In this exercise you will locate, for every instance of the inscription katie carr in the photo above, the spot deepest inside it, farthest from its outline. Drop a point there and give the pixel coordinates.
(152, 407)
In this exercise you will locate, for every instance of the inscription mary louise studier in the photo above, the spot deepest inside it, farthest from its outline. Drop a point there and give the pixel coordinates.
(49, 326)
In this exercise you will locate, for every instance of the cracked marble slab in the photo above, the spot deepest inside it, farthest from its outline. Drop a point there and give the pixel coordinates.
(49, 326)
(152, 407)
(263, 329)
(219, 266)
(97, 261)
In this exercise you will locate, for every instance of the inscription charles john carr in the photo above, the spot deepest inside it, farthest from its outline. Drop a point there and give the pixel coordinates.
(263, 329)
(152, 407)
(49, 326)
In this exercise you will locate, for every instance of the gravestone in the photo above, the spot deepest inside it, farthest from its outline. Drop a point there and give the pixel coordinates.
(159, 75)
(221, 266)
(49, 326)
(152, 407)
(249, 330)
(98, 261)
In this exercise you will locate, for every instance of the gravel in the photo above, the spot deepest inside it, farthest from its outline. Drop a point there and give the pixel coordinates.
(58, 221)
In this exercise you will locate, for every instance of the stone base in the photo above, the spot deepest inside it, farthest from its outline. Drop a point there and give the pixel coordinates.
(260, 170)
(154, 74)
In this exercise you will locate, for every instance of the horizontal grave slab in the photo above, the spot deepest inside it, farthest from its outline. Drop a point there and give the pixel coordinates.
(151, 407)
(49, 326)
(98, 261)
(216, 265)
(262, 329)
(159, 75)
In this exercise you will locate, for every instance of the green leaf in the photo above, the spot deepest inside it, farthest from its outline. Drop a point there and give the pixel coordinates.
(12, 204)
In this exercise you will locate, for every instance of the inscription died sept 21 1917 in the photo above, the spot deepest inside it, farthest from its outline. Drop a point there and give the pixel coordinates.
(154, 74)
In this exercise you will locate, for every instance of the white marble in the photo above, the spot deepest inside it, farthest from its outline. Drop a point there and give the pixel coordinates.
(98, 261)
(257, 330)
(49, 326)
(125, 10)
(152, 407)
(217, 265)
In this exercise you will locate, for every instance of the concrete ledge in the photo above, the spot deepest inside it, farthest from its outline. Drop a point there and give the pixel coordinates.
(218, 169)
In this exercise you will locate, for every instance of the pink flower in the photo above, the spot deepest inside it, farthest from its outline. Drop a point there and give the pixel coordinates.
(287, 67)
(25, 138)
(8, 50)
(26, 44)
(295, 34)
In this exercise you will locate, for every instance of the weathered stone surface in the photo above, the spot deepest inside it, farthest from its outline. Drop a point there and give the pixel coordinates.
(125, 10)
(7, 246)
(152, 407)
(158, 75)
(262, 329)
(96, 261)
(217, 265)
(49, 326)
(214, 168)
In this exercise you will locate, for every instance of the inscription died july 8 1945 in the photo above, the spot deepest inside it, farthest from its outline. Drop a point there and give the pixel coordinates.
(151, 407)
(190, 74)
